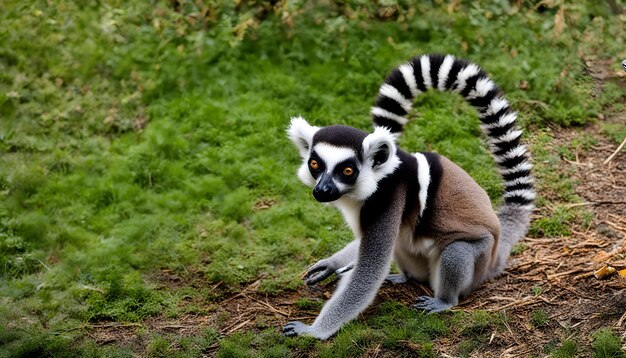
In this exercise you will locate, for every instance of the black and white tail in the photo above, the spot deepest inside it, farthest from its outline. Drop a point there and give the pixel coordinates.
(446, 73)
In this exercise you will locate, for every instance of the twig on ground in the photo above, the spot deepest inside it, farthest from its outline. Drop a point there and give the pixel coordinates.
(615, 226)
(604, 202)
(115, 324)
(621, 320)
(243, 292)
(584, 275)
(566, 273)
(615, 152)
(229, 330)
(519, 303)
(273, 309)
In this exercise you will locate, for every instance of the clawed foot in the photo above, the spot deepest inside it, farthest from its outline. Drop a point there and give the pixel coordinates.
(431, 304)
(296, 328)
(318, 272)
(324, 269)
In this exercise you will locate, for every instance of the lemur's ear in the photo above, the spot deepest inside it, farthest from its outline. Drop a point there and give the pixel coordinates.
(380, 148)
(301, 134)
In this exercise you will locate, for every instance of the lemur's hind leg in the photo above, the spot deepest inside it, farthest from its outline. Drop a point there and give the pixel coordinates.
(460, 268)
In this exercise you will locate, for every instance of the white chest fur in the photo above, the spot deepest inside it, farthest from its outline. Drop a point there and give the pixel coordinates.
(420, 246)
(351, 210)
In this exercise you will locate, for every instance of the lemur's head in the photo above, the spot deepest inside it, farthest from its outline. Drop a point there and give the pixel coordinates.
(342, 160)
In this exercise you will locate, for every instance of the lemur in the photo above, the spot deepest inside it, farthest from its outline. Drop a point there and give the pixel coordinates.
(420, 209)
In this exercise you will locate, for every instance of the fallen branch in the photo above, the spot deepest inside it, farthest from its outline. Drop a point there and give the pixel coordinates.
(604, 202)
(560, 274)
(115, 324)
(240, 325)
(615, 152)
(273, 309)
(519, 303)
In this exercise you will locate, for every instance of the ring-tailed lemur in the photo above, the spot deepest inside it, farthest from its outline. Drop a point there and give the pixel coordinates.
(420, 209)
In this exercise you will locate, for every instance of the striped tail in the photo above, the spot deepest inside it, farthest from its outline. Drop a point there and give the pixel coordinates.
(446, 73)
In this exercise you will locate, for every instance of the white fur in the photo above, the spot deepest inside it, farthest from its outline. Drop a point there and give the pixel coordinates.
(444, 71)
(509, 136)
(521, 180)
(425, 247)
(425, 62)
(483, 86)
(332, 155)
(423, 178)
(351, 210)
(467, 72)
(305, 175)
(301, 134)
(369, 176)
(494, 106)
(415, 256)
(502, 121)
(390, 91)
(409, 77)
(518, 168)
(377, 111)
(513, 153)
(525, 193)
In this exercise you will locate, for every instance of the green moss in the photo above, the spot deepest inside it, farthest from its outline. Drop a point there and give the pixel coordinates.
(607, 344)
(616, 131)
(559, 222)
(568, 349)
(539, 318)
(518, 249)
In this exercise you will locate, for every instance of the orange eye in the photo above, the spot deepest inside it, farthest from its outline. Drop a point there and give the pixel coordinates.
(314, 164)
(347, 171)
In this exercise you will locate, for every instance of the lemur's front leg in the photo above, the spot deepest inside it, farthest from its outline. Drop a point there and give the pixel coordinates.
(358, 287)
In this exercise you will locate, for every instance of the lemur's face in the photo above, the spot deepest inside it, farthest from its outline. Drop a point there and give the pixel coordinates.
(341, 160)
(334, 169)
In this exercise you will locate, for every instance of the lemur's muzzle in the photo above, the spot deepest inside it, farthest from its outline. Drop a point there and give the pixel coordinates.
(326, 190)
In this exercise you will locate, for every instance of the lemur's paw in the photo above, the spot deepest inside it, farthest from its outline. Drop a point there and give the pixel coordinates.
(397, 278)
(295, 328)
(431, 304)
(318, 272)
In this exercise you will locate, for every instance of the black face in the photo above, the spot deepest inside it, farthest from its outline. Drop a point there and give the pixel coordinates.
(332, 185)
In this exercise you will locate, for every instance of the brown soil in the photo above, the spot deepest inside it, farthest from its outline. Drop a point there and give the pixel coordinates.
(553, 274)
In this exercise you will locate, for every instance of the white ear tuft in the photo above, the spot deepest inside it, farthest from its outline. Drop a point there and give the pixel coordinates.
(379, 149)
(301, 134)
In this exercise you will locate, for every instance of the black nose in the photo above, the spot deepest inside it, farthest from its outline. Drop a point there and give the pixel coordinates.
(325, 192)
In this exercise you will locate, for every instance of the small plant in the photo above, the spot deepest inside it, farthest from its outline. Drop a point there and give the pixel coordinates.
(518, 249)
(540, 318)
(606, 344)
(568, 349)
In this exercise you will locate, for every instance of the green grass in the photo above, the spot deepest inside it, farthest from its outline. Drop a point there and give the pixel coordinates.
(539, 318)
(568, 349)
(607, 344)
(615, 131)
(137, 136)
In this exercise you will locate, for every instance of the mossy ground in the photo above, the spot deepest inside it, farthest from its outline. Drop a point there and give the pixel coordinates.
(144, 136)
